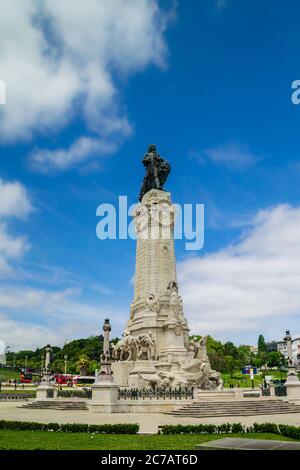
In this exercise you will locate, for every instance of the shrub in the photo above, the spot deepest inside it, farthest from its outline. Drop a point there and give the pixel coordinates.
(71, 427)
(266, 427)
(290, 431)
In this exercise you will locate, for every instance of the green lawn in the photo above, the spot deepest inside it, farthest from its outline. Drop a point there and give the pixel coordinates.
(9, 374)
(39, 440)
(244, 381)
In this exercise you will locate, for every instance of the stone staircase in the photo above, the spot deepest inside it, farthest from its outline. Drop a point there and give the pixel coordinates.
(244, 407)
(62, 405)
(215, 395)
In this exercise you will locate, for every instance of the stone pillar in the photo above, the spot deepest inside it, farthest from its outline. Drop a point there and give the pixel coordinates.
(106, 331)
(105, 392)
(46, 389)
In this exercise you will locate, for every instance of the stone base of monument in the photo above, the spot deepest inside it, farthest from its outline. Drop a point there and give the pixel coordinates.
(121, 371)
(293, 387)
(45, 391)
(105, 396)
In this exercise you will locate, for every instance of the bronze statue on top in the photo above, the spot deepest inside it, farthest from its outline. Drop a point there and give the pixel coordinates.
(157, 171)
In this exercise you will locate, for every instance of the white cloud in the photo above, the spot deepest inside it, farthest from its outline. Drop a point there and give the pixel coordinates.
(14, 200)
(251, 286)
(232, 155)
(59, 58)
(14, 203)
(11, 247)
(32, 317)
(81, 150)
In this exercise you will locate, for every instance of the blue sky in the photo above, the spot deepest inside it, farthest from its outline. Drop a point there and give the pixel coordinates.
(88, 88)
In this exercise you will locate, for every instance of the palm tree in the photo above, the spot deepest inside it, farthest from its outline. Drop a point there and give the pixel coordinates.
(82, 364)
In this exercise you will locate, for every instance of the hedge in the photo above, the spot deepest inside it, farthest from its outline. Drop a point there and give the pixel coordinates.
(71, 427)
(234, 428)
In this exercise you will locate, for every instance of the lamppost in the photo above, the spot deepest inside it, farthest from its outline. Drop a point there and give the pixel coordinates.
(26, 357)
(66, 362)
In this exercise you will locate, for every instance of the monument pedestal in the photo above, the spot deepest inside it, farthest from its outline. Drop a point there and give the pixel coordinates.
(45, 391)
(105, 395)
(293, 386)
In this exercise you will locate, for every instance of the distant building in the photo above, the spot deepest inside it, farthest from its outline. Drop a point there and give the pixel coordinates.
(253, 349)
(282, 348)
(272, 346)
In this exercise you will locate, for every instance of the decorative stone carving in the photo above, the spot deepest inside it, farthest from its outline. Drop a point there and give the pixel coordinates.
(145, 346)
(152, 304)
(192, 346)
(164, 380)
(174, 306)
(125, 349)
(172, 286)
(198, 371)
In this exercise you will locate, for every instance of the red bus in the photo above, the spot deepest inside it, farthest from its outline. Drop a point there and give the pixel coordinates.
(25, 377)
(62, 379)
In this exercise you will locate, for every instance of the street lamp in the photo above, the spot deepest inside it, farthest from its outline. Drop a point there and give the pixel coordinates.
(66, 361)
(26, 357)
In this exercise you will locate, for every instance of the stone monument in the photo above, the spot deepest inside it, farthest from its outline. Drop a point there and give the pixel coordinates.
(292, 382)
(105, 391)
(46, 388)
(155, 349)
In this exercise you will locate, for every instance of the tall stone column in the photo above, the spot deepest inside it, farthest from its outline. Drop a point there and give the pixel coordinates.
(105, 392)
(46, 389)
(155, 275)
(106, 331)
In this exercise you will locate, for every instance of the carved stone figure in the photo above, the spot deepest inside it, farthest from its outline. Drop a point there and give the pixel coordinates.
(172, 286)
(192, 346)
(152, 304)
(157, 171)
(125, 349)
(198, 371)
(174, 306)
(164, 380)
(145, 346)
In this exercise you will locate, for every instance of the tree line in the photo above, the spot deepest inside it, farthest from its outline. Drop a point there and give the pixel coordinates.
(83, 356)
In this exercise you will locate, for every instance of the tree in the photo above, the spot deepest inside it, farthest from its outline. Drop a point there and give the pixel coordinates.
(230, 365)
(261, 344)
(230, 349)
(274, 359)
(83, 364)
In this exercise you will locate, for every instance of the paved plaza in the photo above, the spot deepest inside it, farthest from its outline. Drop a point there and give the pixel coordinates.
(148, 422)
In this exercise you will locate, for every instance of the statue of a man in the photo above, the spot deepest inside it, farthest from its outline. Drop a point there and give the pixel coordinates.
(157, 171)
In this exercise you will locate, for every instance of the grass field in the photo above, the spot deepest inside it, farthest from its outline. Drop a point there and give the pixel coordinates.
(244, 381)
(39, 440)
(9, 374)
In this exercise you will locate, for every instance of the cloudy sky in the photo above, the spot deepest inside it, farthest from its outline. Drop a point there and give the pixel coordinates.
(89, 85)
